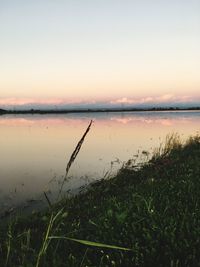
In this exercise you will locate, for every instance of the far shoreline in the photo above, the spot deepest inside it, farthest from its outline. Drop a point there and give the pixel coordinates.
(97, 110)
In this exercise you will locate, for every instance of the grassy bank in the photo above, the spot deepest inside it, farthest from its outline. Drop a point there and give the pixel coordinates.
(141, 217)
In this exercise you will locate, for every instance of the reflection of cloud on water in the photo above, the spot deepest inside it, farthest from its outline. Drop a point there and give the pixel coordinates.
(122, 120)
(164, 122)
(159, 118)
(167, 123)
(148, 121)
(16, 122)
(32, 121)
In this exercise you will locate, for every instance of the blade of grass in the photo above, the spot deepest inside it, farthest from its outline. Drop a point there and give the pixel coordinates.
(8, 244)
(48, 200)
(84, 256)
(90, 243)
(46, 239)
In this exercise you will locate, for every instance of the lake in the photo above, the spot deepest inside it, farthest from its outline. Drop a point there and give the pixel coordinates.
(35, 149)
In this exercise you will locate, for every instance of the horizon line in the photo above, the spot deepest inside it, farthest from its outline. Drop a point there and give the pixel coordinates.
(93, 110)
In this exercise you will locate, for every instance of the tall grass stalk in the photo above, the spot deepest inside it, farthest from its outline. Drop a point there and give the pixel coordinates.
(172, 141)
(73, 156)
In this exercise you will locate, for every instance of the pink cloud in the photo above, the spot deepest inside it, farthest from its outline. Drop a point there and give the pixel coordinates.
(26, 101)
(165, 98)
(157, 99)
(123, 100)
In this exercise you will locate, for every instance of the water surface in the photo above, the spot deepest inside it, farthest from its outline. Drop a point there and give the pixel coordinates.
(36, 148)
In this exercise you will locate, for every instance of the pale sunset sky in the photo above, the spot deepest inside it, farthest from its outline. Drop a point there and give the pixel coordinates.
(115, 51)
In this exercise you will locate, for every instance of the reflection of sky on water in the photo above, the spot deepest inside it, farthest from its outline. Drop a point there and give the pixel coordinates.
(162, 117)
(35, 148)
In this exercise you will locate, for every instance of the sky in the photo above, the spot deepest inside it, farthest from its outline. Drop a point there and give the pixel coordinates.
(94, 51)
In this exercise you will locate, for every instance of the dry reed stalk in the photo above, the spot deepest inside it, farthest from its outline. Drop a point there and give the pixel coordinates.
(74, 155)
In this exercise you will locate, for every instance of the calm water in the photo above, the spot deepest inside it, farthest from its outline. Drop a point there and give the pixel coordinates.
(36, 148)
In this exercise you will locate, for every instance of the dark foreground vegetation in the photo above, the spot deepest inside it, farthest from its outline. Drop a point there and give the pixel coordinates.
(151, 215)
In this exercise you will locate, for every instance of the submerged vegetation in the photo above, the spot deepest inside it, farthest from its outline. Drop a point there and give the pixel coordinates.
(147, 216)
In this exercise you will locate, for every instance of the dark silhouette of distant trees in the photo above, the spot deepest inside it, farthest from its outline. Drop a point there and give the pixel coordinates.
(61, 111)
(2, 111)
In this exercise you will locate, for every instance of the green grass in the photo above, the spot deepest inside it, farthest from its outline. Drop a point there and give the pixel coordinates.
(141, 217)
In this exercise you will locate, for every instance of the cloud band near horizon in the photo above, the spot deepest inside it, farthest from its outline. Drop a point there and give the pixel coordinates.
(161, 99)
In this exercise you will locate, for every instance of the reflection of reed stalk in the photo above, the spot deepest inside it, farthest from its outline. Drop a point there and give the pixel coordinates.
(74, 155)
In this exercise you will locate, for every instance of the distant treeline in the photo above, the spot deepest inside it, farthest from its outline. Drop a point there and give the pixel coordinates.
(63, 111)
